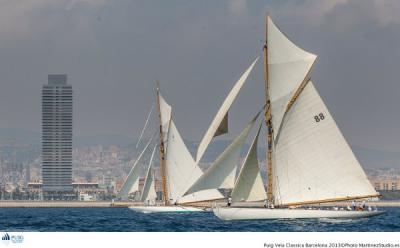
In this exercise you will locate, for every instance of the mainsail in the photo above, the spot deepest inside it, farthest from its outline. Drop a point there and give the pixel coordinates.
(131, 183)
(149, 190)
(313, 162)
(288, 68)
(220, 123)
(165, 115)
(249, 185)
(221, 174)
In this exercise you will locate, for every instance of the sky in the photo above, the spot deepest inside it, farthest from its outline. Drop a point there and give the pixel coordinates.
(113, 51)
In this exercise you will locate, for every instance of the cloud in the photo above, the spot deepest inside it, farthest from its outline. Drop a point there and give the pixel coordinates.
(387, 12)
(237, 7)
(20, 19)
(314, 12)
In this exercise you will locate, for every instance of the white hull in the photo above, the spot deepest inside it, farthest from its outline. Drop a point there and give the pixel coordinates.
(265, 213)
(164, 209)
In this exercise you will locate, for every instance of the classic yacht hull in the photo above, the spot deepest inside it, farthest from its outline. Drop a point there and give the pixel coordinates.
(238, 213)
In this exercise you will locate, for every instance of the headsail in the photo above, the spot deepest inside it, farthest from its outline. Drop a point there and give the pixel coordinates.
(249, 185)
(149, 191)
(182, 171)
(131, 183)
(313, 162)
(288, 67)
(220, 123)
(221, 174)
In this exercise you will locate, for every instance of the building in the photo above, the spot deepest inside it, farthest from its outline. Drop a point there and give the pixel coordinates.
(56, 137)
(386, 183)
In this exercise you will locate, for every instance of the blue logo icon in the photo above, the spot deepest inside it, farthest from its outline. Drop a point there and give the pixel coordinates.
(5, 237)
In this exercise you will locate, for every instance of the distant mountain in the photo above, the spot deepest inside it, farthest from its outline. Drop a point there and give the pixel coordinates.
(369, 158)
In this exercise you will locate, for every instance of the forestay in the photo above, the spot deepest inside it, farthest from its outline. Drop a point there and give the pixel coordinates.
(221, 174)
(145, 126)
(131, 183)
(313, 162)
(149, 191)
(182, 171)
(249, 185)
(288, 66)
(220, 123)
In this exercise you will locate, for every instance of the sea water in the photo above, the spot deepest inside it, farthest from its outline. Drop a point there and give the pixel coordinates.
(123, 219)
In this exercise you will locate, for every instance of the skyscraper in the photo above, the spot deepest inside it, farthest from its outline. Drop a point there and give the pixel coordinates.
(56, 136)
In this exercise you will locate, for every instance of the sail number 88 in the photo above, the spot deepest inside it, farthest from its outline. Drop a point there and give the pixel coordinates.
(319, 117)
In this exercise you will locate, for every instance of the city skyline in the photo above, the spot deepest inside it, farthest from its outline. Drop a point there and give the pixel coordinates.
(113, 53)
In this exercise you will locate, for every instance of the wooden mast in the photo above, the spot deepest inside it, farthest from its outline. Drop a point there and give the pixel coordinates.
(162, 151)
(268, 119)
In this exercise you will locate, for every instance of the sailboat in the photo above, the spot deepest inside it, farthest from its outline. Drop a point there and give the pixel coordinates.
(178, 169)
(308, 160)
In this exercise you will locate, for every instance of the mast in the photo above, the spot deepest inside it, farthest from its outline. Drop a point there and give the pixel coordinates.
(162, 151)
(268, 118)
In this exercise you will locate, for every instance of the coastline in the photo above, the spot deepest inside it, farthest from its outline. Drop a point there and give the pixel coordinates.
(66, 204)
(125, 204)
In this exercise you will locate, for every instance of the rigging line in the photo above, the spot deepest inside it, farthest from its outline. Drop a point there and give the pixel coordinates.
(145, 125)
(147, 146)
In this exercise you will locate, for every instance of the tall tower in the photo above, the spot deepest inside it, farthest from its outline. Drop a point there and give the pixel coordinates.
(56, 136)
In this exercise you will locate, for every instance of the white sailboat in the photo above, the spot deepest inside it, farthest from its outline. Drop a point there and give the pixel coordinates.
(308, 159)
(177, 168)
(149, 196)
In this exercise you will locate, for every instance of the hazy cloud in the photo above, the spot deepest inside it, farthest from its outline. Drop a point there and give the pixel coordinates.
(237, 7)
(113, 51)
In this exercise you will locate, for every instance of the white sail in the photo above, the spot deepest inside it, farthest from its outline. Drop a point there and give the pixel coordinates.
(249, 185)
(165, 113)
(182, 171)
(288, 66)
(149, 190)
(131, 183)
(221, 174)
(312, 160)
(219, 124)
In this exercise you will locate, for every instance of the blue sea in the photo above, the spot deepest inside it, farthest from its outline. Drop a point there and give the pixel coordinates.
(123, 219)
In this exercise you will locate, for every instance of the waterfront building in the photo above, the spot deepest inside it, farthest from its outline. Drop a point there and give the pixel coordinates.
(386, 183)
(57, 137)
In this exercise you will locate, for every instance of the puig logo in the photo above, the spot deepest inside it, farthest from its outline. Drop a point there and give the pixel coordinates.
(16, 239)
(5, 237)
